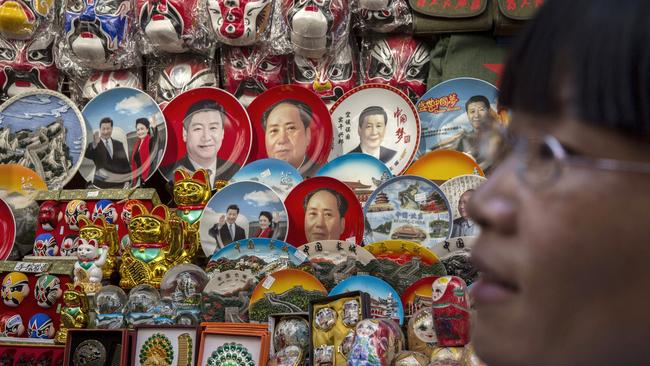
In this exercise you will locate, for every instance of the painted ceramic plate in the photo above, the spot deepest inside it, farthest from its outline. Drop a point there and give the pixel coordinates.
(335, 260)
(242, 210)
(418, 295)
(361, 172)
(384, 300)
(286, 291)
(455, 113)
(407, 208)
(257, 256)
(21, 215)
(126, 138)
(279, 116)
(391, 126)
(323, 208)
(458, 191)
(226, 296)
(459, 264)
(44, 131)
(223, 151)
(447, 247)
(442, 165)
(277, 174)
(17, 178)
(7, 230)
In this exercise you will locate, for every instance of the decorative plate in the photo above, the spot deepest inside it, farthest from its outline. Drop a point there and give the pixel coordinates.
(7, 230)
(310, 204)
(306, 150)
(361, 172)
(442, 165)
(231, 354)
(418, 295)
(44, 131)
(17, 178)
(458, 191)
(247, 210)
(393, 133)
(277, 174)
(230, 142)
(285, 291)
(226, 296)
(125, 151)
(384, 300)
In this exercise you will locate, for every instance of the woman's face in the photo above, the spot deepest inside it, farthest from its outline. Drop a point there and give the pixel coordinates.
(140, 130)
(264, 222)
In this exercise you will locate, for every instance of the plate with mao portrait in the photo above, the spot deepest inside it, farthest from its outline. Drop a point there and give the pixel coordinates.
(377, 120)
(408, 208)
(209, 129)
(127, 137)
(292, 124)
(323, 208)
(239, 211)
(459, 114)
(44, 131)
(441, 165)
(361, 172)
(277, 174)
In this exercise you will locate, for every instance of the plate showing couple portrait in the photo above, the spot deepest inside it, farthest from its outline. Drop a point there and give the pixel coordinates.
(239, 211)
(126, 138)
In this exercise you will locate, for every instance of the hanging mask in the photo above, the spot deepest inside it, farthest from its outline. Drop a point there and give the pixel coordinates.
(40, 326)
(182, 73)
(15, 288)
(69, 246)
(126, 210)
(101, 81)
(11, 325)
(45, 245)
(167, 23)
(399, 61)
(20, 19)
(239, 22)
(47, 291)
(27, 65)
(248, 72)
(105, 209)
(49, 215)
(329, 77)
(383, 16)
(73, 210)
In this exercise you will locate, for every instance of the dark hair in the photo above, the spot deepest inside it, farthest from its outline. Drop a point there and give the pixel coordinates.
(105, 120)
(303, 109)
(477, 99)
(202, 105)
(586, 59)
(233, 207)
(267, 215)
(341, 202)
(143, 121)
(371, 111)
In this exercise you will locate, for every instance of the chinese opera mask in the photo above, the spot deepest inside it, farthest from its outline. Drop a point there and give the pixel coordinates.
(382, 16)
(20, 19)
(45, 245)
(315, 25)
(126, 210)
(15, 287)
(73, 210)
(96, 30)
(329, 77)
(47, 291)
(181, 74)
(49, 215)
(239, 22)
(167, 23)
(105, 209)
(40, 326)
(11, 325)
(69, 246)
(399, 61)
(248, 72)
(27, 65)
(101, 81)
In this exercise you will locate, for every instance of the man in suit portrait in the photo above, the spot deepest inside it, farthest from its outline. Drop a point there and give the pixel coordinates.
(464, 226)
(203, 134)
(372, 128)
(226, 230)
(109, 157)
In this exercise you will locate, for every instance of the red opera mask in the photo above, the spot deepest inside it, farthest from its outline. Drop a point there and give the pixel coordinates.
(451, 311)
(180, 74)
(27, 65)
(20, 19)
(315, 25)
(167, 23)
(329, 77)
(248, 72)
(400, 61)
(49, 215)
(239, 22)
(100, 81)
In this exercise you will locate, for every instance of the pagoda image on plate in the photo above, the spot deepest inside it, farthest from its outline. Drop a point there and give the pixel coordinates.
(381, 203)
(409, 232)
(383, 308)
(362, 191)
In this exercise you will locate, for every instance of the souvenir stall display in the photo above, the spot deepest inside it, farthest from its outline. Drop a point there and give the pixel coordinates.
(244, 183)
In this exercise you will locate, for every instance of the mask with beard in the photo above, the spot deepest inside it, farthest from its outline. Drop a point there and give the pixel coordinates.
(180, 74)
(21, 19)
(240, 22)
(27, 65)
(167, 24)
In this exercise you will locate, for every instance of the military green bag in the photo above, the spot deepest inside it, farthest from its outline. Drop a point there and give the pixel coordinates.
(447, 16)
(511, 15)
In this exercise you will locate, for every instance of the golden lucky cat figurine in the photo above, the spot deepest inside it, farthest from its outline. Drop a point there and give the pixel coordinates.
(191, 194)
(159, 241)
(74, 313)
(106, 235)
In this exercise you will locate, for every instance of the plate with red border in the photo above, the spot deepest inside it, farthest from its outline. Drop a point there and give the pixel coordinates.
(7, 230)
(418, 295)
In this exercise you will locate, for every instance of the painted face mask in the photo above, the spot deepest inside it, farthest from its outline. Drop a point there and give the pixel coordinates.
(73, 210)
(40, 326)
(26, 66)
(96, 30)
(47, 291)
(15, 288)
(49, 215)
(239, 22)
(69, 246)
(11, 325)
(45, 245)
(248, 72)
(399, 61)
(181, 74)
(20, 19)
(316, 25)
(126, 210)
(167, 23)
(329, 77)
(382, 16)
(105, 209)
(101, 81)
